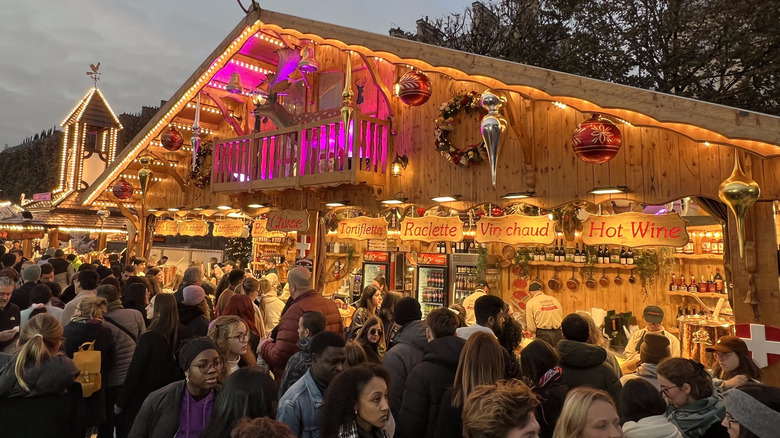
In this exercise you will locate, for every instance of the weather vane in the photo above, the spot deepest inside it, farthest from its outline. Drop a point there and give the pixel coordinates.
(94, 73)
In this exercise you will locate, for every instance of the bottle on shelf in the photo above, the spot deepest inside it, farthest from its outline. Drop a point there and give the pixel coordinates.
(600, 256)
(569, 253)
(549, 255)
(556, 253)
(703, 285)
(577, 255)
(614, 256)
(706, 243)
(682, 287)
(718, 281)
(693, 287)
(711, 285)
(673, 285)
(623, 256)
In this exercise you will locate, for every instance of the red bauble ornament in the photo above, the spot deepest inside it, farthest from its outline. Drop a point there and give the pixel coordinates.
(420, 211)
(497, 211)
(172, 139)
(123, 189)
(597, 140)
(414, 88)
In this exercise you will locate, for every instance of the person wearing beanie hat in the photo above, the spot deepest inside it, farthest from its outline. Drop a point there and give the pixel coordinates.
(654, 349)
(733, 366)
(482, 289)
(752, 410)
(407, 350)
(183, 408)
(543, 315)
(193, 310)
(654, 317)
(104, 272)
(30, 277)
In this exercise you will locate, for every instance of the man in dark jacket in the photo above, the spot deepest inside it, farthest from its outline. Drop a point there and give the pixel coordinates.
(304, 298)
(410, 343)
(309, 324)
(429, 379)
(30, 277)
(584, 364)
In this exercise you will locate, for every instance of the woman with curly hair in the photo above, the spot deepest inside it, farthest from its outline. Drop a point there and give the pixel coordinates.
(262, 426)
(694, 407)
(242, 307)
(355, 404)
(231, 336)
(371, 338)
(248, 393)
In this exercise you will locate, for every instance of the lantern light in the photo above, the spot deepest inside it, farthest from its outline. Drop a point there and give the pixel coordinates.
(399, 164)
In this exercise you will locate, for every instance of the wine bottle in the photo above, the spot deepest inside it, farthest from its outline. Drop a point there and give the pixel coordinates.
(718, 281)
(682, 287)
(711, 285)
(577, 253)
(673, 284)
(600, 256)
(630, 257)
(692, 287)
(623, 257)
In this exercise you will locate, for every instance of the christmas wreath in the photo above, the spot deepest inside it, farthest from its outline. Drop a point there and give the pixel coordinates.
(470, 154)
(201, 174)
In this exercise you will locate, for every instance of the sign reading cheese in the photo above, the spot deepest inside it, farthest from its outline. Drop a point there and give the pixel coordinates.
(288, 221)
(362, 228)
(194, 228)
(166, 228)
(260, 229)
(228, 228)
(515, 230)
(432, 229)
(635, 229)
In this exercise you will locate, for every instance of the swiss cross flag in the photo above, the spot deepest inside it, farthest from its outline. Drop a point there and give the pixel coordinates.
(763, 341)
(303, 245)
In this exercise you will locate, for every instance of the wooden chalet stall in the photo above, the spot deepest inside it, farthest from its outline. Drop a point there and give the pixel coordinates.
(273, 100)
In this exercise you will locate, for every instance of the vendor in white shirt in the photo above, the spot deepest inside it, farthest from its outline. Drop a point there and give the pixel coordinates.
(654, 317)
(482, 289)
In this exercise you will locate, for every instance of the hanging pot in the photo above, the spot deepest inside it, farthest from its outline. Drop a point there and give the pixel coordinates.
(572, 283)
(618, 279)
(554, 284)
(632, 279)
(604, 281)
(590, 282)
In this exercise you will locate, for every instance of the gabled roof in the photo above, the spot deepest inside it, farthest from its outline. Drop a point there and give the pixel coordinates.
(701, 121)
(93, 109)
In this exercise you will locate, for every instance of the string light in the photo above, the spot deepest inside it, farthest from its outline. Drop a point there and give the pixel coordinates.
(269, 39)
(251, 67)
(93, 230)
(560, 105)
(208, 109)
(189, 128)
(22, 227)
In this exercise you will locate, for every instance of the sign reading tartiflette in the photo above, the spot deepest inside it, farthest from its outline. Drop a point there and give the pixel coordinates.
(432, 229)
(362, 228)
(288, 221)
(194, 228)
(228, 228)
(515, 229)
(166, 228)
(635, 229)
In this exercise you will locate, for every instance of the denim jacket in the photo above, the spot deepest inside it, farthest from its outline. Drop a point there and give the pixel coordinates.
(299, 407)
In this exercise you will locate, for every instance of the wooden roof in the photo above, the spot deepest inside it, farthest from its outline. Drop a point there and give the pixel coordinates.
(94, 110)
(700, 121)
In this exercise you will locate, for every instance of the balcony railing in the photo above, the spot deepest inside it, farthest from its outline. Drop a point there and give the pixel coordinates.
(308, 154)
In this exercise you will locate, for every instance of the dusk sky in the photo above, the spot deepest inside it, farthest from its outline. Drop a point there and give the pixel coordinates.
(147, 48)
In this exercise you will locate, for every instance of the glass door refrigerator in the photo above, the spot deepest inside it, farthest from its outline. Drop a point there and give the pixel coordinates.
(432, 281)
(463, 271)
(374, 263)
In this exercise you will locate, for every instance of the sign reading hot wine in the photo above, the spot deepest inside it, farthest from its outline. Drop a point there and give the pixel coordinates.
(515, 229)
(635, 229)
(432, 229)
(228, 228)
(362, 228)
(288, 221)
(194, 228)
(166, 228)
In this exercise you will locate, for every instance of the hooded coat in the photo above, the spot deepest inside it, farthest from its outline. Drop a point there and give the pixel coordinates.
(52, 376)
(193, 318)
(656, 426)
(426, 385)
(407, 352)
(645, 371)
(585, 365)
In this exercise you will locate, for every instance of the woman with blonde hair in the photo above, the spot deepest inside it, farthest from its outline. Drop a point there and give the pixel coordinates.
(503, 410)
(481, 363)
(231, 335)
(87, 326)
(269, 304)
(596, 337)
(588, 413)
(38, 368)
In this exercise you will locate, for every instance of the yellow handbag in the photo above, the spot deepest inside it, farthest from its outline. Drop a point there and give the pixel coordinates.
(87, 360)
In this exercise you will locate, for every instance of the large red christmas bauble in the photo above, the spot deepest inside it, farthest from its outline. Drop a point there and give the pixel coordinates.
(414, 88)
(597, 140)
(172, 139)
(123, 189)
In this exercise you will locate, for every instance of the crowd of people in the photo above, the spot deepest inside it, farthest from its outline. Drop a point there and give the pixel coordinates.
(229, 355)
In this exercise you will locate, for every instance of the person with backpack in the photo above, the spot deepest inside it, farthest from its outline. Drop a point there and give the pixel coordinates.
(87, 327)
(126, 326)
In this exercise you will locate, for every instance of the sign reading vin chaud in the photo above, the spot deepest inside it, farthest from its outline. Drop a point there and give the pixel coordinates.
(635, 229)
(362, 228)
(515, 229)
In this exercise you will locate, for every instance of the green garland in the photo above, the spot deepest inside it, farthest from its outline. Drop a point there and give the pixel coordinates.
(522, 261)
(482, 263)
(470, 154)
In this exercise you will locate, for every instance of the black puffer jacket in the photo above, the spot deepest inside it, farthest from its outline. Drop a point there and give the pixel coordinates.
(52, 376)
(585, 365)
(407, 353)
(425, 386)
(193, 318)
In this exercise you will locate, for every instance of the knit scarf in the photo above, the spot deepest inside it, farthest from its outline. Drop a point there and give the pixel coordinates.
(696, 417)
(114, 305)
(551, 375)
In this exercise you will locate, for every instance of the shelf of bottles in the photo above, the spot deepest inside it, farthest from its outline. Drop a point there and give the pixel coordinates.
(712, 287)
(264, 248)
(702, 245)
(338, 249)
(704, 248)
(465, 282)
(573, 256)
(433, 291)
